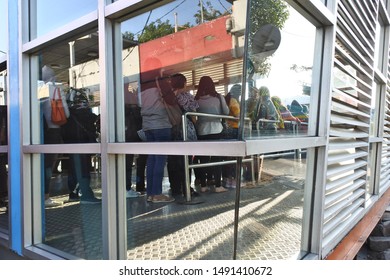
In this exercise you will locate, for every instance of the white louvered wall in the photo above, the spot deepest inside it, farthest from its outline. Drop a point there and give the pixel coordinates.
(350, 119)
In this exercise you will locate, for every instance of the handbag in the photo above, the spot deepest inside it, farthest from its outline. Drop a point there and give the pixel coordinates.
(173, 110)
(174, 113)
(58, 116)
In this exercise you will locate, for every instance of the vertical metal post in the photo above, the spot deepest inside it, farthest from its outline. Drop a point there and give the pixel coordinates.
(186, 168)
(237, 206)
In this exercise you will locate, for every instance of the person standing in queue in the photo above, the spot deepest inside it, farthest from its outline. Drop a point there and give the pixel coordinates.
(187, 103)
(157, 128)
(210, 128)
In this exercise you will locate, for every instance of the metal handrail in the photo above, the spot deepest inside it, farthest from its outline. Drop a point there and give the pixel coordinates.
(187, 166)
(184, 123)
(295, 124)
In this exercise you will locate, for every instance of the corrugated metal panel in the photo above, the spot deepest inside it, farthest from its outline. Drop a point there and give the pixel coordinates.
(348, 148)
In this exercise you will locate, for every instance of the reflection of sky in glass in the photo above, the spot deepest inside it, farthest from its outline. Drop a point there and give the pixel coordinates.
(296, 47)
(54, 14)
(3, 26)
(185, 10)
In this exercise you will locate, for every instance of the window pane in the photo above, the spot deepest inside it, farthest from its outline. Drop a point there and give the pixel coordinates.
(68, 73)
(279, 71)
(152, 45)
(213, 48)
(72, 223)
(3, 28)
(380, 49)
(271, 210)
(178, 38)
(4, 193)
(3, 156)
(54, 14)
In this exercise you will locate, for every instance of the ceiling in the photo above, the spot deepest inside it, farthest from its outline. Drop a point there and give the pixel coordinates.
(86, 48)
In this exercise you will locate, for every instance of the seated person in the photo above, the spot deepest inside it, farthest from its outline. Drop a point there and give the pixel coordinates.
(267, 116)
(298, 111)
(288, 119)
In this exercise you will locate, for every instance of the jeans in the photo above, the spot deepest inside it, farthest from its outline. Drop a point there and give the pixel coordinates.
(51, 136)
(156, 163)
(80, 171)
(140, 172)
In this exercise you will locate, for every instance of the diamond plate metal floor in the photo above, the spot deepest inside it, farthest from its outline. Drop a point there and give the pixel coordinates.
(270, 220)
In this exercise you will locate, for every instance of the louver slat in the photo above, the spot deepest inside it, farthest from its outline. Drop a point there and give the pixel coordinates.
(341, 196)
(385, 174)
(331, 239)
(344, 155)
(345, 213)
(351, 61)
(334, 170)
(332, 185)
(345, 144)
(351, 110)
(339, 132)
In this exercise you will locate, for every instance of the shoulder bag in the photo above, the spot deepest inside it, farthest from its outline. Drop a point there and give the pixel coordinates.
(58, 115)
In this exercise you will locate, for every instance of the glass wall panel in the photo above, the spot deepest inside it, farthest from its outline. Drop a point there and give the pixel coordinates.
(4, 221)
(4, 192)
(72, 224)
(179, 38)
(271, 211)
(179, 45)
(3, 28)
(50, 15)
(370, 169)
(69, 72)
(280, 62)
(67, 79)
(3, 147)
(380, 48)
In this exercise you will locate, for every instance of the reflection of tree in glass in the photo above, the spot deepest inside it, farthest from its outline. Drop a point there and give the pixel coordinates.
(206, 12)
(155, 30)
(264, 12)
(152, 31)
(158, 28)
